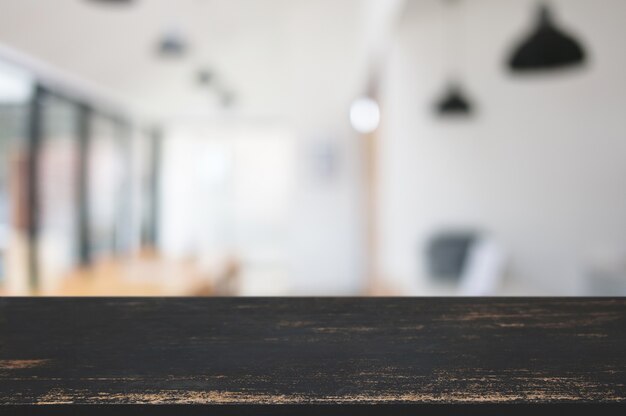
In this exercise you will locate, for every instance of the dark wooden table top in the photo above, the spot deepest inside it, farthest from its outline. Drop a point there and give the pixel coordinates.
(311, 355)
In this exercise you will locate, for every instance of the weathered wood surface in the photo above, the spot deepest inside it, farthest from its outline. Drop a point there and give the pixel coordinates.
(309, 351)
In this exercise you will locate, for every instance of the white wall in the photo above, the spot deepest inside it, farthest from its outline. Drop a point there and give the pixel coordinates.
(327, 251)
(542, 165)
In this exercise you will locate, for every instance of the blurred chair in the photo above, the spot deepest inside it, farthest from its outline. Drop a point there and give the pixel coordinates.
(473, 261)
(484, 268)
(446, 254)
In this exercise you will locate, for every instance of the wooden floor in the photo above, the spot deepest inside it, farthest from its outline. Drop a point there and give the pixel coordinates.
(277, 355)
(144, 274)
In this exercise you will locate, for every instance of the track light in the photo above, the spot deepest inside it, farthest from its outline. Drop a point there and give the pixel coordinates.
(172, 44)
(204, 77)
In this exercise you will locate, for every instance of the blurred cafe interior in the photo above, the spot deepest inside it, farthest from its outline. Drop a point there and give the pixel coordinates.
(312, 148)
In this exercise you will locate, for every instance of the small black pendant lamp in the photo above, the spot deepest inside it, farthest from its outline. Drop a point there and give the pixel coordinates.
(453, 101)
(548, 47)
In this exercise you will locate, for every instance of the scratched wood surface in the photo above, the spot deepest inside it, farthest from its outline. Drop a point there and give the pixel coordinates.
(307, 351)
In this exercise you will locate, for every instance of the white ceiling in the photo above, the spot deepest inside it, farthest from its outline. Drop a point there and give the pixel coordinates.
(279, 57)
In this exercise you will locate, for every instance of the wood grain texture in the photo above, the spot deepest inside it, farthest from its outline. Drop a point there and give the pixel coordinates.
(311, 351)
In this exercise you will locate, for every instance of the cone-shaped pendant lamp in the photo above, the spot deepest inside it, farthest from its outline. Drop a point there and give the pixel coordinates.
(454, 102)
(547, 47)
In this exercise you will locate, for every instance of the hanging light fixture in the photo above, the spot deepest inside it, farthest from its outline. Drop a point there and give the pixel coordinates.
(547, 47)
(454, 101)
(172, 43)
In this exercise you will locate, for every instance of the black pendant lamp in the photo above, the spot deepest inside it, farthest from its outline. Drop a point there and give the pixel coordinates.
(453, 102)
(548, 47)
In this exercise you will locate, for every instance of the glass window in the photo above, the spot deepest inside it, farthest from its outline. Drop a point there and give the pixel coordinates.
(15, 94)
